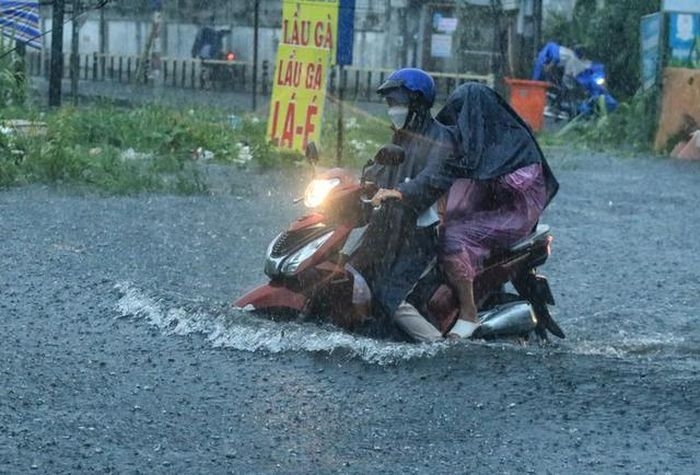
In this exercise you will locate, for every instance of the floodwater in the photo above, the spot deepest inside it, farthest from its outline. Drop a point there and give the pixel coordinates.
(121, 351)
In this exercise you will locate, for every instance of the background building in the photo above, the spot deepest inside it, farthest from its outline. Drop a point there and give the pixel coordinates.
(477, 36)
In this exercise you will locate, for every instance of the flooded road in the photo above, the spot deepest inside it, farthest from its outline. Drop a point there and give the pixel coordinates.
(121, 353)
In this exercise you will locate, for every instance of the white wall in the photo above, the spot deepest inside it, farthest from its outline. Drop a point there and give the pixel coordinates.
(89, 39)
(179, 38)
(129, 38)
(562, 7)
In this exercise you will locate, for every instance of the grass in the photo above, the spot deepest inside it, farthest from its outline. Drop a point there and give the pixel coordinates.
(150, 148)
(363, 134)
(121, 150)
(629, 129)
(126, 151)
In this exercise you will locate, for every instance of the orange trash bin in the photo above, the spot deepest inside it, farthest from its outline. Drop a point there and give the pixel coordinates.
(528, 98)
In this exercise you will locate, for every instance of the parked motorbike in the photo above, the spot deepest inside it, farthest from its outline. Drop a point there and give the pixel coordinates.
(582, 95)
(308, 273)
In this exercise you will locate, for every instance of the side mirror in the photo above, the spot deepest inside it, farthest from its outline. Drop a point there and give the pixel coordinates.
(390, 154)
(311, 153)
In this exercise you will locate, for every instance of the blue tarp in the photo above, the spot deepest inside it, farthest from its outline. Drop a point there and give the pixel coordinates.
(19, 20)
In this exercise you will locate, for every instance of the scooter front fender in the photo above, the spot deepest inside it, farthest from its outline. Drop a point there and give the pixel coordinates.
(272, 296)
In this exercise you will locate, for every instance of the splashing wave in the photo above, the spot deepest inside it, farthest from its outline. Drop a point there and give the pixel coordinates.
(240, 331)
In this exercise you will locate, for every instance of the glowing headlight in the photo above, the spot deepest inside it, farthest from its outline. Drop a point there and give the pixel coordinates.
(295, 260)
(317, 191)
(600, 81)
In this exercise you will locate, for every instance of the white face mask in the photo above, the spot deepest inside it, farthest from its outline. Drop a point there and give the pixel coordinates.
(398, 116)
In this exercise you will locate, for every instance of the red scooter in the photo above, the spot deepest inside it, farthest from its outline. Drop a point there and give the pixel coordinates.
(309, 275)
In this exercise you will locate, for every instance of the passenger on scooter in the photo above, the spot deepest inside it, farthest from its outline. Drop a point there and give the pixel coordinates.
(498, 185)
(400, 240)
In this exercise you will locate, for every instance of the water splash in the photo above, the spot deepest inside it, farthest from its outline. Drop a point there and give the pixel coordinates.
(634, 346)
(241, 331)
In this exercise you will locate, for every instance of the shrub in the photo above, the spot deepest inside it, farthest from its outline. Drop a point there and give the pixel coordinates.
(631, 127)
(363, 134)
(13, 85)
(119, 150)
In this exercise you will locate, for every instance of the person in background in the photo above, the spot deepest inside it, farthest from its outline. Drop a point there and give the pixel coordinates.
(206, 42)
(555, 60)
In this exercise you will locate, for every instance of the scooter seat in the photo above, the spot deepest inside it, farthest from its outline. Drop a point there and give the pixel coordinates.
(541, 231)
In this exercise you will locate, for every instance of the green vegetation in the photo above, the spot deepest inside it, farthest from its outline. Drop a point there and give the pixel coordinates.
(155, 148)
(363, 134)
(118, 150)
(12, 86)
(630, 128)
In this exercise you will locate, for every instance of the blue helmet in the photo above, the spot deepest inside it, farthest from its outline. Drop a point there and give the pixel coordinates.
(415, 80)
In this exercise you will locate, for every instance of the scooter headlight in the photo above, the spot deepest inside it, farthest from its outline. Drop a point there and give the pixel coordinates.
(600, 81)
(295, 260)
(318, 190)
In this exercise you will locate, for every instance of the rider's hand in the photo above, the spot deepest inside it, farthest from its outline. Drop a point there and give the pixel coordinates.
(384, 194)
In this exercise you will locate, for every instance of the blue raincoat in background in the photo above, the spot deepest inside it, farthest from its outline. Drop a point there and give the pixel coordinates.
(20, 21)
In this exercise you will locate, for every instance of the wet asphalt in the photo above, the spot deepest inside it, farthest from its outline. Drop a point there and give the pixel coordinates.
(120, 352)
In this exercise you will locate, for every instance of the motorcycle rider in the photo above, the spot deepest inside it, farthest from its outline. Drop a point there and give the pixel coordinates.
(500, 183)
(206, 43)
(571, 62)
(207, 46)
(400, 240)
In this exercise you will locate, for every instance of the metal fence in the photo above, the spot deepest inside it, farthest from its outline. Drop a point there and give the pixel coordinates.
(361, 84)
(235, 76)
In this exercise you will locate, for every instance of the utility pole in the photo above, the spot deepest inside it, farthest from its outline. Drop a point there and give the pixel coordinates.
(537, 26)
(75, 51)
(341, 120)
(497, 65)
(103, 31)
(256, 28)
(56, 73)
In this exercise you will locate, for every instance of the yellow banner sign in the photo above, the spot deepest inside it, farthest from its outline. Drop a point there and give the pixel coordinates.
(305, 53)
(298, 96)
(311, 23)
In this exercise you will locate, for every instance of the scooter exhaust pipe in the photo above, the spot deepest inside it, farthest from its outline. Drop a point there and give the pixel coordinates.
(512, 319)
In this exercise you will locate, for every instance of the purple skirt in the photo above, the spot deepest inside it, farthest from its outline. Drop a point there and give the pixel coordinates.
(482, 216)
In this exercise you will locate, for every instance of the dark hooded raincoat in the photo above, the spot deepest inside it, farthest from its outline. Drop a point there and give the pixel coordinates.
(500, 179)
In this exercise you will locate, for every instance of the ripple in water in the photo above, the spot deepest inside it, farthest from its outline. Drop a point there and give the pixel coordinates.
(664, 349)
(241, 331)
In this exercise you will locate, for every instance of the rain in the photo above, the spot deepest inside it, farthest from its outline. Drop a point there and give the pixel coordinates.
(189, 191)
